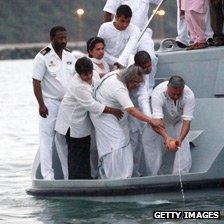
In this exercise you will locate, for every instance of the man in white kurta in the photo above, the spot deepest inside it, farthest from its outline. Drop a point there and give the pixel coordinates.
(176, 116)
(112, 136)
(73, 112)
(140, 9)
(73, 115)
(120, 37)
(53, 67)
(73, 118)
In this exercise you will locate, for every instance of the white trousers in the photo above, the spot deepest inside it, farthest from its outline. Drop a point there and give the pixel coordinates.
(47, 141)
(155, 151)
(114, 148)
(46, 135)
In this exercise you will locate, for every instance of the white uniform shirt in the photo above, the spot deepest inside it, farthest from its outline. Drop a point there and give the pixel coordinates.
(53, 72)
(112, 92)
(140, 9)
(164, 107)
(75, 107)
(119, 45)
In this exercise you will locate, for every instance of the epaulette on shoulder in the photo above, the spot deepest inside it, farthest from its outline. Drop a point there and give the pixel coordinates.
(66, 49)
(45, 50)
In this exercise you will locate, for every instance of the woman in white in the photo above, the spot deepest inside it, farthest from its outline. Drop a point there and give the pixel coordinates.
(112, 136)
(95, 49)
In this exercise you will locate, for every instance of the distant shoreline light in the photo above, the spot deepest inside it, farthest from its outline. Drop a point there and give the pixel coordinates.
(160, 12)
(80, 12)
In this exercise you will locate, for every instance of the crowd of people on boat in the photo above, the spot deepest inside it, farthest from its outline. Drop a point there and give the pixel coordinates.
(102, 112)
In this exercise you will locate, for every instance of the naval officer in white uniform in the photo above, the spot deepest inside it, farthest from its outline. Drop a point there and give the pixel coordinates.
(53, 68)
(173, 104)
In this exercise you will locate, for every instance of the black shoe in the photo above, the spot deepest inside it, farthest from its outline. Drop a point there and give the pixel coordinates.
(219, 42)
(181, 45)
(210, 42)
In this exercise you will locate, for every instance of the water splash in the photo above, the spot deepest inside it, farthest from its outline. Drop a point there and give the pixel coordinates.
(180, 179)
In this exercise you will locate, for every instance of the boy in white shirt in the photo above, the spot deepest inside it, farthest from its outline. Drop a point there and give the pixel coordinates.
(73, 118)
(120, 37)
(140, 9)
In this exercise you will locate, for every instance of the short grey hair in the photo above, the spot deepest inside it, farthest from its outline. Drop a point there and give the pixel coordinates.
(176, 82)
(126, 75)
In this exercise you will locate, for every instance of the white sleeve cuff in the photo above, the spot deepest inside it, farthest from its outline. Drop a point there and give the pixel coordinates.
(158, 116)
(187, 118)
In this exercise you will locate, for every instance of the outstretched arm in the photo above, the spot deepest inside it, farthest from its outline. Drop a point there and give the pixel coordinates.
(85, 98)
(156, 124)
(159, 127)
(139, 115)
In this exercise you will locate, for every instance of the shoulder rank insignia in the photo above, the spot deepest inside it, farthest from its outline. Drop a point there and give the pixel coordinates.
(45, 50)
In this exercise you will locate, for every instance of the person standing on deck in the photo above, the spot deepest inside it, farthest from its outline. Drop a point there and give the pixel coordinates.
(53, 68)
(183, 38)
(112, 136)
(73, 118)
(195, 14)
(140, 9)
(120, 37)
(172, 105)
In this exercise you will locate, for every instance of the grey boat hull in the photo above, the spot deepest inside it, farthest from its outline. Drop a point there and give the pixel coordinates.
(203, 71)
(136, 189)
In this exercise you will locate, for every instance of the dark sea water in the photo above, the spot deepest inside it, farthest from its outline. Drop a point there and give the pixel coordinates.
(18, 146)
